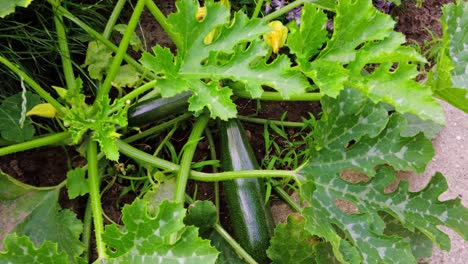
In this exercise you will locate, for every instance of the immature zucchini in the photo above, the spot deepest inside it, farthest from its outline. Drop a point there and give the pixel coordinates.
(251, 219)
(153, 110)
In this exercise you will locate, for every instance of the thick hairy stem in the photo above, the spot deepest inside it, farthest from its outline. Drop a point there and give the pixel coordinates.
(95, 196)
(187, 156)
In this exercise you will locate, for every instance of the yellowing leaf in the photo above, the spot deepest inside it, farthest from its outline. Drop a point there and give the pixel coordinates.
(62, 92)
(276, 38)
(43, 110)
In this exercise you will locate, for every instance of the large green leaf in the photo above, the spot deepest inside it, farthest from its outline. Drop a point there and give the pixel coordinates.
(20, 249)
(356, 134)
(451, 77)
(366, 55)
(215, 49)
(37, 214)
(12, 127)
(346, 140)
(160, 239)
(8, 6)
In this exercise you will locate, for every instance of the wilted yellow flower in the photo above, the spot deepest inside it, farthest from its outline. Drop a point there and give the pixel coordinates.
(201, 13)
(43, 110)
(276, 38)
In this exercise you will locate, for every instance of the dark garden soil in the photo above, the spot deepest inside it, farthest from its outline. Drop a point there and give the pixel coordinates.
(48, 166)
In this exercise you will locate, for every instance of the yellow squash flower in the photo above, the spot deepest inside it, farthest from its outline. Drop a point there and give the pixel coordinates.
(276, 38)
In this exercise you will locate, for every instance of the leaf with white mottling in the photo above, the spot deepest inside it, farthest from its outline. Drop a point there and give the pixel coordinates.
(20, 249)
(160, 239)
(450, 80)
(36, 213)
(371, 149)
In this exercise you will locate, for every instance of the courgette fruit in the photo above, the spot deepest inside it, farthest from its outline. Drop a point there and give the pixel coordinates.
(251, 218)
(153, 110)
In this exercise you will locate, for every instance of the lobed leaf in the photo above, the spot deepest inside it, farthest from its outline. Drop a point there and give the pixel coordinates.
(215, 49)
(105, 117)
(160, 239)
(77, 184)
(35, 213)
(354, 134)
(291, 244)
(451, 76)
(203, 215)
(366, 55)
(98, 59)
(20, 249)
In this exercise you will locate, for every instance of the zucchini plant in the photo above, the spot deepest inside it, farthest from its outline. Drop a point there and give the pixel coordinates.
(362, 73)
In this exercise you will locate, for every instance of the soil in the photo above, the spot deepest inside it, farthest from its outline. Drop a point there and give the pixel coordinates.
(48, 166)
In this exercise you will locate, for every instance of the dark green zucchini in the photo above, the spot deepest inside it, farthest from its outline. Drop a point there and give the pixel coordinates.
(153, 110)
(251, 219)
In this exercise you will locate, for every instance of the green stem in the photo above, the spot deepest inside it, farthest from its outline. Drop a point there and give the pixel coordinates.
(35, 143)
(137, 91)
(187, 157)
(233, 243)
(122, 50)
(258, 7)
(64, 51)
(100, 38)
(37, 88)
(86, 236)
(275, 96)
(95, 196)
(211, 143)
(144, 157)
(285, 196)
(283, 10)
(35, 188)
(113, 18)
(161, 18)
(263, 121)
(229, 239)
(232, 175)
(157, 128)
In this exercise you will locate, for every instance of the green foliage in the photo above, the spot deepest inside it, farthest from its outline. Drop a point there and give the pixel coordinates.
(202, 214)
(451, 78)
(157, 239)
(12, 126)
(370, 147)
(219, 48)
(291, 244)
(99, 58)
(77, 185)
(37, 214)
(101, 118)
(8, 6)
(135, 41)
(20, 249)
(366, 55)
